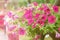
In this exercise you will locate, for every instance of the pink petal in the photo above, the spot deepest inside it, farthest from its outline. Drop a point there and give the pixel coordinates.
(1, 22)
(37, 16)
(35, 3)
(30, 21)
(11, 28)
(34, 25)
(21, 31)
(10, 14)
(52, 19)
(13, 36)
(1, 16)
(41, 22)
(40, 8)
(44, 17)
(2, 26)
(59, 29)
(57, 35)
(56, 8)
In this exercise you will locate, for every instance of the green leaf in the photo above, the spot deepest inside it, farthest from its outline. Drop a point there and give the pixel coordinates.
(51, 25)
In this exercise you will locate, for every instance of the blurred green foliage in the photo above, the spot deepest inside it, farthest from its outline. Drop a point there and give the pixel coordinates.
(25, 2)
(43, 1)
(39, 1)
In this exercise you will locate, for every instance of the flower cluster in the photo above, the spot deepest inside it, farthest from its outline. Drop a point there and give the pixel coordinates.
(42, 17)
(34, 18)
(10, 27)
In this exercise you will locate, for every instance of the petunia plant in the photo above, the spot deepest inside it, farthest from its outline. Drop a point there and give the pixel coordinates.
(41, 20)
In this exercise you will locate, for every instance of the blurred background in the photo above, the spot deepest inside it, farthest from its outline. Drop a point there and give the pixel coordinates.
(20, 3)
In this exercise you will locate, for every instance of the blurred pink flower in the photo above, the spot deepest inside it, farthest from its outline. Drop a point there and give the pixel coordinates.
(34, 25)
(41, 22)
(44, 5)
(15, 17)
(46, 10)
(6, 23)
(59, 29)
(56, 8)
(21, 31)
(1, 19)
(11, 28)
(28, 14)
(13, 36)
(44, 17)
(40, 8)
(57, 35)
(51, 19)
(30, 21)
(2, 16)
(37, 37)
(35, 3)
(1, 22)
(37, 16)
(10, 14)
(2, 26)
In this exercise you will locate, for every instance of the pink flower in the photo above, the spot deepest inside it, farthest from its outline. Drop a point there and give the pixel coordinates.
(37, 37)
(44, 5)
(1, 22)
(52, 19)
(2, 26)
(59, 29)
(44, 17)
(10, 14)
(1, 16)
(11, 28)
(30, 21)
(21, 31)
(37, 16)
(41, 22)
(56, 8)
(13, 36)
(35, 3)
(40, 8)
(34, 25)
(15, 17)
(47, 11)
(57, 35)
(28, 14)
